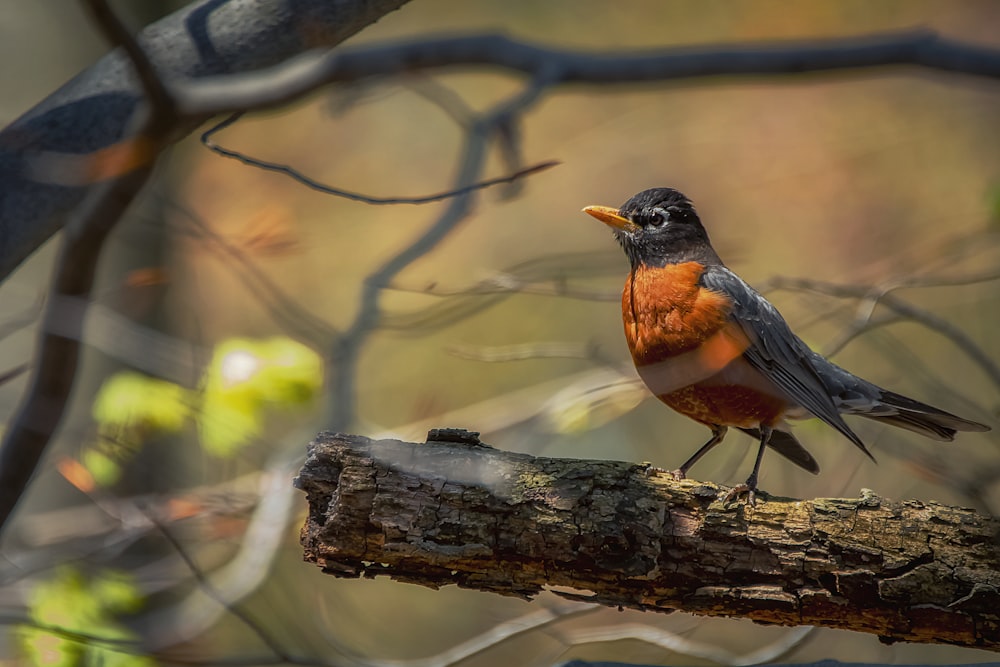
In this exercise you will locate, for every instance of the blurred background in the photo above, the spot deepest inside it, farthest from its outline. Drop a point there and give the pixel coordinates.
(887, 181)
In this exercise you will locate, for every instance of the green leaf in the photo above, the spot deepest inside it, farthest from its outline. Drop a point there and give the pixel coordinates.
(292, 374)
(104, 469)
(77, 605)
(133, 401)
(228, 421)
(246, 376)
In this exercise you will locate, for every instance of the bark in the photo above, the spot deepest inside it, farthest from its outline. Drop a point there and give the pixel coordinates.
(456, 511)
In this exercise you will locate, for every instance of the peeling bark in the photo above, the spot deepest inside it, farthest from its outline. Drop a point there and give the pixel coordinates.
(456, 511)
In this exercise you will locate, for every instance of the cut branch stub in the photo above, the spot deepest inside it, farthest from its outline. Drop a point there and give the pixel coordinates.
(456, 511)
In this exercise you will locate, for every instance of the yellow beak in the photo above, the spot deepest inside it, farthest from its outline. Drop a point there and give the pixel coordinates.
(610, 217)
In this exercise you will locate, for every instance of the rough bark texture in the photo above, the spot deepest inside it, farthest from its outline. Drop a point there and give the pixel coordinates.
(455, 511)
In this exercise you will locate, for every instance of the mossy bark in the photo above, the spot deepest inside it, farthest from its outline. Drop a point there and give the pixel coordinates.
(455, 511)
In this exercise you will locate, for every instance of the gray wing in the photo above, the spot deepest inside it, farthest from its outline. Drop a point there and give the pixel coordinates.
(777, 352)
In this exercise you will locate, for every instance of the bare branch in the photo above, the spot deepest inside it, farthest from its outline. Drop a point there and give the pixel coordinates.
(206, 587)
(545, 276)
(185, 47)
(42, 407)
(282, 306)
(93, 111)
(155, 91)
(453, 511)
(959, 338)
(55, 369)
(494, 636)
(346, 352)
(688, 647)
(291, 80)
(295, 174)
(445, 98)
(522, 351)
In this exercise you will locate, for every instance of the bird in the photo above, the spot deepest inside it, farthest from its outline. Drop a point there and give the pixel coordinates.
(711, 347)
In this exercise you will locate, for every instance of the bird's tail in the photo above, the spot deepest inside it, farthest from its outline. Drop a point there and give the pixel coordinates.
(785, 444)
(918, 417)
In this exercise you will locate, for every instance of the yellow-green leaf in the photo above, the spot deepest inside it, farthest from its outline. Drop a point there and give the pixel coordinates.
(135, 401)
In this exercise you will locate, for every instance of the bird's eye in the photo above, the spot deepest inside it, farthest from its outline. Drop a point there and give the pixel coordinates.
(657, 217)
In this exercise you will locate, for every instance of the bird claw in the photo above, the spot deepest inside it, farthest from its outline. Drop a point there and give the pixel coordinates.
(678, 474)
(738, 490)
(653, 471)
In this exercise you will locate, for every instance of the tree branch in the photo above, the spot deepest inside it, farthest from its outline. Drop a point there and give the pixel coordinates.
(293, 79)
(41, 409)
(510, 178)
(94, 110)
(455, 511)
(211, 56)
(903, 309)
(118, 169)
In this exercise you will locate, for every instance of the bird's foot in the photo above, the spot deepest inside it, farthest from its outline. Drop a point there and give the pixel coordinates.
(651, 470)
(738, 490)
(678, 474)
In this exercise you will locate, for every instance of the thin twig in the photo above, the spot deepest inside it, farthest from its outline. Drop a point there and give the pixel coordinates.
(13, 372)
(496, 635)
(286, 310)
(959, 338)
(523, 351)
(295, 174)
(243, 573)
(547, 276)
(208, 589)
(347, 351)
(23, 320)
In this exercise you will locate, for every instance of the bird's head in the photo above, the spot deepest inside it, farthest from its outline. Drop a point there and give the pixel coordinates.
(657, 227)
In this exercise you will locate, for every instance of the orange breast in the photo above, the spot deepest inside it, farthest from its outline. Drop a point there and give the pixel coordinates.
(666, 312)
(688, 352)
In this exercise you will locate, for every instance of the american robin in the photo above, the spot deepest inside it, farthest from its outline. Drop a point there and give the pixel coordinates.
(712, 348)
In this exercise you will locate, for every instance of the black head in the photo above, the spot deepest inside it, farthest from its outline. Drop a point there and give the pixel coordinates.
(658, 226)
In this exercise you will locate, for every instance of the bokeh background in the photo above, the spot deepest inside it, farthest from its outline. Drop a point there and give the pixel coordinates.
(876, 178)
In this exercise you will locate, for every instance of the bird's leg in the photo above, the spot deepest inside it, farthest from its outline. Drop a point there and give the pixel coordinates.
(750, 486)
(718, 433)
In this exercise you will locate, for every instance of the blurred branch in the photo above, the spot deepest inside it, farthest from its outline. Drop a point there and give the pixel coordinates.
(347, 350)
(544, 276)
(566, 404)
(23, 320)
(685, 646)
(219, 592)
(294, 174)
(495, 636)
(206, 587)
(54, 374)
(522, 351)
(286, 310)
(94, 110)
(90, 112)
(456, 511)
(296, 78)
(872, 296)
